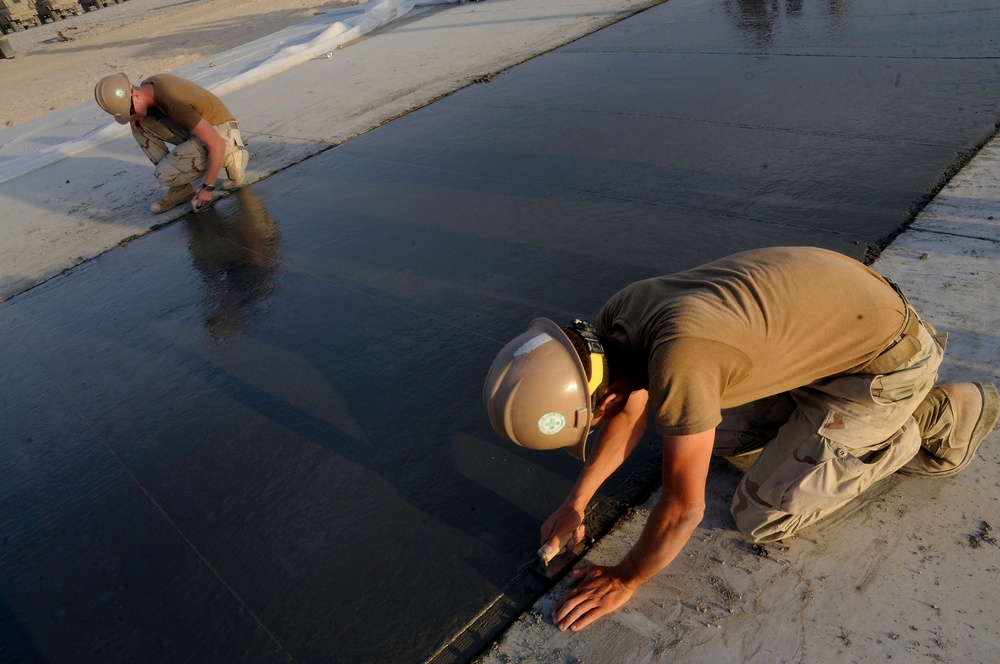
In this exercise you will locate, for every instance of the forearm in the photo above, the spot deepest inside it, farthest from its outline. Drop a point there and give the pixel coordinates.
(215, 145)
(601, 590)
(616, 440)
(615, 443)
(677, 513)
(216, 157)
(667, 530)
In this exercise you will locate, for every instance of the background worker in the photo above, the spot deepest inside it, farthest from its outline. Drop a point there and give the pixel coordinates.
(802, 354)
(169, 109)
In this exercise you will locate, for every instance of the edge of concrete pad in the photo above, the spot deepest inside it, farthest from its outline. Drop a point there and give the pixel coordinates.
(963, 160)
(57, 235)
(530, 584)
(948, 262)
(725, 598)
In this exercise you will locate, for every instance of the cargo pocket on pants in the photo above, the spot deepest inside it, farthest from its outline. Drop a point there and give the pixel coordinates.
(818, 475)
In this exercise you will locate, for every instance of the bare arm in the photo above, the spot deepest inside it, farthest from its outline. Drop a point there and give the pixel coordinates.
(677, 513)
(616, 440)
(216, 157)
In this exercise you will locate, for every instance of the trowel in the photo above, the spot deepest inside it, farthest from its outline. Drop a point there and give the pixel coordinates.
(196, 208)
(551, 564)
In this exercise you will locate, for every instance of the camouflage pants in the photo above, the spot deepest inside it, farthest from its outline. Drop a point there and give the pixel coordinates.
(186, 162)
(826, 443)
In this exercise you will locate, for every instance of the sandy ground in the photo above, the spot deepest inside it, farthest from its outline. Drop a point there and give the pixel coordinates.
(57, 65)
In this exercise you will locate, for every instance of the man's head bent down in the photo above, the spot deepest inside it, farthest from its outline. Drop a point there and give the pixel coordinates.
(543, 389)
(114, 94)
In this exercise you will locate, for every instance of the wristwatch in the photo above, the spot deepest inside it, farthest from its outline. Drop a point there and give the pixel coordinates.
(209, 187)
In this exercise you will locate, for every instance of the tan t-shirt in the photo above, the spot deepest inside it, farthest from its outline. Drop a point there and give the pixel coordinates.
(186, 102)
(749, 326)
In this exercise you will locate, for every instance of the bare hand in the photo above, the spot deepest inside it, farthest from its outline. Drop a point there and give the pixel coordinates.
(202, 198)
(561, 530)
(598, 592)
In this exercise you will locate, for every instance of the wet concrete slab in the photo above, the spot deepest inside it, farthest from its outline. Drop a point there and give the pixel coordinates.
(259, 431)
(209, 399)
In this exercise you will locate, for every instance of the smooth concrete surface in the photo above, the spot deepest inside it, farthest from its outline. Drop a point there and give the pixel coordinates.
(257, 434)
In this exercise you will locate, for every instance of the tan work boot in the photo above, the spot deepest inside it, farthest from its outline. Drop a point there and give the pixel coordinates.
(953, 420)
(236, 168)
(175, 196)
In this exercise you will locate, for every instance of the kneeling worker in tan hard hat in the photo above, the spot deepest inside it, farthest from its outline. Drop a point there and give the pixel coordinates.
(168, 109)
(801, 354)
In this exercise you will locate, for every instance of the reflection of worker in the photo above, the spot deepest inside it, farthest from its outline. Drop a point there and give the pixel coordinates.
(802, 354)
(234, 250)
(169, 109)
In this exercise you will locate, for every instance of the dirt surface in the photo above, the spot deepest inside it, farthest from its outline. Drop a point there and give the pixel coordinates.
(56, 65)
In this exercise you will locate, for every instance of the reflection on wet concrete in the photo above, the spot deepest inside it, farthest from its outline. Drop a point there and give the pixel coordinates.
(233, 245)
(760, 20)
(257, 434)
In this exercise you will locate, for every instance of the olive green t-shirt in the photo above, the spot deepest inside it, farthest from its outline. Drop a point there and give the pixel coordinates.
(749, 326)
(186, 102)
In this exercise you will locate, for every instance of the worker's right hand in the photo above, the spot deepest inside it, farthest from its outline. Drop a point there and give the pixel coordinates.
(563, 529)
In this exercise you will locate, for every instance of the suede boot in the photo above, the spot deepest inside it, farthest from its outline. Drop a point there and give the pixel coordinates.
(953, 419)
(175, 196)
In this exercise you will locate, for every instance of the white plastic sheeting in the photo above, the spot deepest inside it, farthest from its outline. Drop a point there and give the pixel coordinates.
(46, 140)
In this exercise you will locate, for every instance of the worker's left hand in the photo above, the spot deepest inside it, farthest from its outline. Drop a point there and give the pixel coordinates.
(598, 592)
(202, 198)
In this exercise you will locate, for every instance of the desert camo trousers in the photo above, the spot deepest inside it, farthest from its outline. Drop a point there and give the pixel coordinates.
(186, 162)
(826, 443)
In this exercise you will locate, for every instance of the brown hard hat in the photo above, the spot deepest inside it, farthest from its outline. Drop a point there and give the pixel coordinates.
(537, 392)
(114, 94)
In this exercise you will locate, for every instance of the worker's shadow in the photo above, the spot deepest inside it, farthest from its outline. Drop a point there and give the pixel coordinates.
(233, 245)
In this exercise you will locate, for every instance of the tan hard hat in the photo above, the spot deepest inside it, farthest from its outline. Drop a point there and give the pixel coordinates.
(537, 392)
(114, 94)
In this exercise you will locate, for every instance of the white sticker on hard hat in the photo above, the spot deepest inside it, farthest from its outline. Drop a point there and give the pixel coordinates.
(532, 343)
(551, 423)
